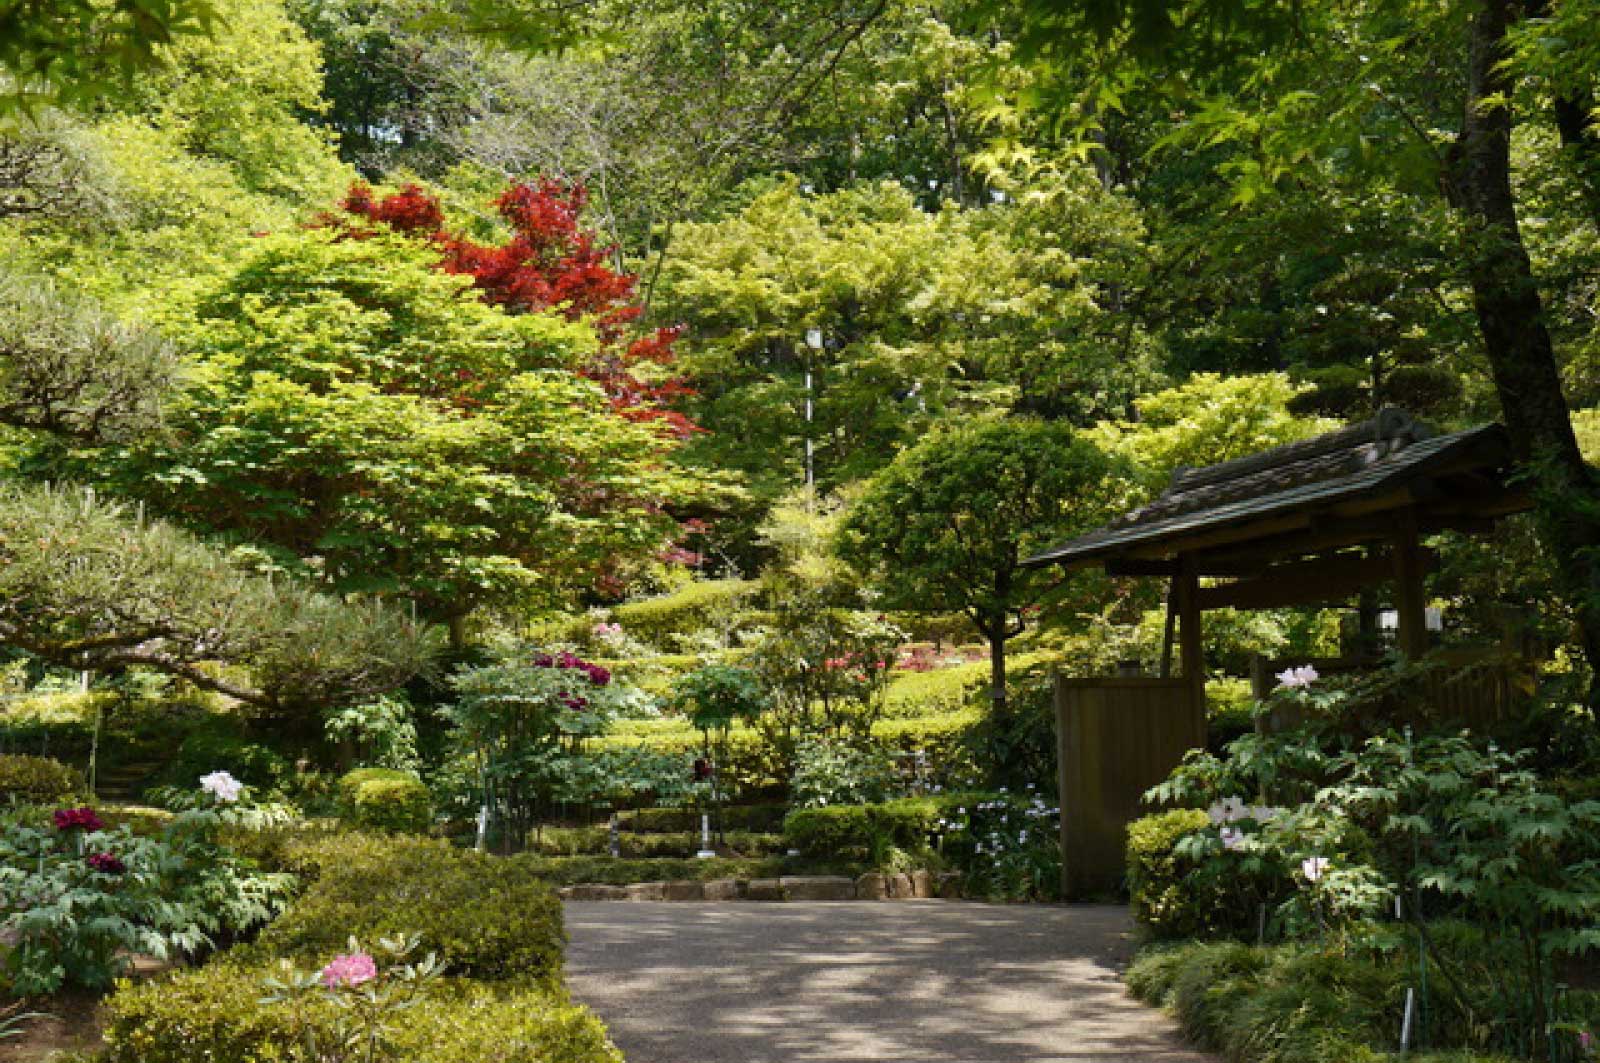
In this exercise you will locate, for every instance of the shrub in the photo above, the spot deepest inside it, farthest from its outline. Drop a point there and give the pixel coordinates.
(1162, 895)
(487, 918)
(839, 772)
(210, 750)
(39, 780)
(385, 799)
(218, 1014)
(673, 619)
(872, 832)
(570, 870)
(737, 817)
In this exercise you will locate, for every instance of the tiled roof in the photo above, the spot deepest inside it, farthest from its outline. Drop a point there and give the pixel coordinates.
(1364, 459)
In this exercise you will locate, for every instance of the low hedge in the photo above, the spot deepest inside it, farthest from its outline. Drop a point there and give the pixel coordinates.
(385, 799)
(759, 818)
(216, 1014)
(596, 841)
(487, 918)
(39, 780)
(864, 832)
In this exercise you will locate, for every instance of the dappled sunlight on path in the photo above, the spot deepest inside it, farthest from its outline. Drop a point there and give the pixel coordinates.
(933, 981)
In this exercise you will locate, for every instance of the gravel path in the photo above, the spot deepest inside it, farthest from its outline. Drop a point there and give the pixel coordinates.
(930, 981)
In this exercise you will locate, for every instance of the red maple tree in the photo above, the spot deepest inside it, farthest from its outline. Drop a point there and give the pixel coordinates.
(552, 262)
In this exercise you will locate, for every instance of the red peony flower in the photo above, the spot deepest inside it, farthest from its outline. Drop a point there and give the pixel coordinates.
(78, 819)
(106, 864)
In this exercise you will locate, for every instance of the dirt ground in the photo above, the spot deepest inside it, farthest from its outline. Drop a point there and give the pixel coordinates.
(71, 1023)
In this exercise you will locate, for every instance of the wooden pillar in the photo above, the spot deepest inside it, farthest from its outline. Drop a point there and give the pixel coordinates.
(1191, 655)
(1410, 597)
(1166, 634)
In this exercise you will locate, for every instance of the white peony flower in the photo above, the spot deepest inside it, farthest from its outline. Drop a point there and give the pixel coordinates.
(1232, 837)
(1313, 867)
(222, 786)
(1295, 678)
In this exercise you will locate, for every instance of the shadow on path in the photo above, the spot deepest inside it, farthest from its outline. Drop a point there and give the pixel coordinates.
(931, 981)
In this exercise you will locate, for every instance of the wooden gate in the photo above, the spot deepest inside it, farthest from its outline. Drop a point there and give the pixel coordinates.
(1116, 738)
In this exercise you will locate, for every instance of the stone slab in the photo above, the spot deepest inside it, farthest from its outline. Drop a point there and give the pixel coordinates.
(685, 891)
(818, 887)
(721, 889)
(766, 889)
(647, 891)
(590, 891)
(872, 887)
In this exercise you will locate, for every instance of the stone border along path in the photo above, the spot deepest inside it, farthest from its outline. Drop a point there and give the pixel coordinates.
(870, 887)
(813, 982)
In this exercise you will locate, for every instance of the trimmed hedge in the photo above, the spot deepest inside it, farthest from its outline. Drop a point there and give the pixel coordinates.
(487, 918)
(385, 799)
(694, 607)
(571, 870)
(759, 818)
(863, 832)
(1163, 895)
(216, 1014)
(39, 780)
(596, 841)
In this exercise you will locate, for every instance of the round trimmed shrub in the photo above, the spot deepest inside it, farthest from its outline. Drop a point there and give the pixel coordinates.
(1162, 890)
(486, 917)
(385, 799)
(40, 780)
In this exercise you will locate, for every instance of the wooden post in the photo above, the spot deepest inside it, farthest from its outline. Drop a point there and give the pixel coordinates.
(1166, 634)
(1410, 598)
(1191, 655)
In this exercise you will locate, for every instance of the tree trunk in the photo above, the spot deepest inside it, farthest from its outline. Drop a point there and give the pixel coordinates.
(997, 669)
(1581, 140)
(1511, 318)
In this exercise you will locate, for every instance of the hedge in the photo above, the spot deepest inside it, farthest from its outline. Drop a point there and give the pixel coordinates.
(864, 832)
(385, 799)
(39, 780)
(766, 818)
(1162, 894)
(487, 918)
(216, 1015)
(571, 870)
(685, 611)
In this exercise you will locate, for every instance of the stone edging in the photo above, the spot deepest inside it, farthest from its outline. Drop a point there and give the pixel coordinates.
(869, 887)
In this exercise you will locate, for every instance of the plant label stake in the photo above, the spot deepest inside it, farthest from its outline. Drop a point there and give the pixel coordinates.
(483, 826)
(1405, 1022)
(615, 834)
(1261, 925)
(706, 852)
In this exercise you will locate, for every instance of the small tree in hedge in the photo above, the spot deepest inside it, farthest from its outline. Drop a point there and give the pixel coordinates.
(713, 698)
(946, 525)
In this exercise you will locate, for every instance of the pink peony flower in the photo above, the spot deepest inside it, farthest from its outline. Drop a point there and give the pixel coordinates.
(349, 970)
(78, 819)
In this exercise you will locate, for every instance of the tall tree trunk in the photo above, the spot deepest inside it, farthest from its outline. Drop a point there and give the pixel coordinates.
(997, 670)
(1511, 318)
(1581, 140)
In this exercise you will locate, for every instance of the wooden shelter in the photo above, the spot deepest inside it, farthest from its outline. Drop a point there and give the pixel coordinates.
(1313, 522)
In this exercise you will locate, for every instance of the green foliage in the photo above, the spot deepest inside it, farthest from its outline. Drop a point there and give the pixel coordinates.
(1165, 893)
(71, 369)
(81, 900)
(96, 586)
(39, 780)
(1206, 420)
(351, 406)
(76, 51)
(219, 1013)
(1007, 846)
(218, 748)
(840, 773)
(384, 799)
(485, 917)
(687, 616)
(867, 832)
(524, 723)
(735, 817)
